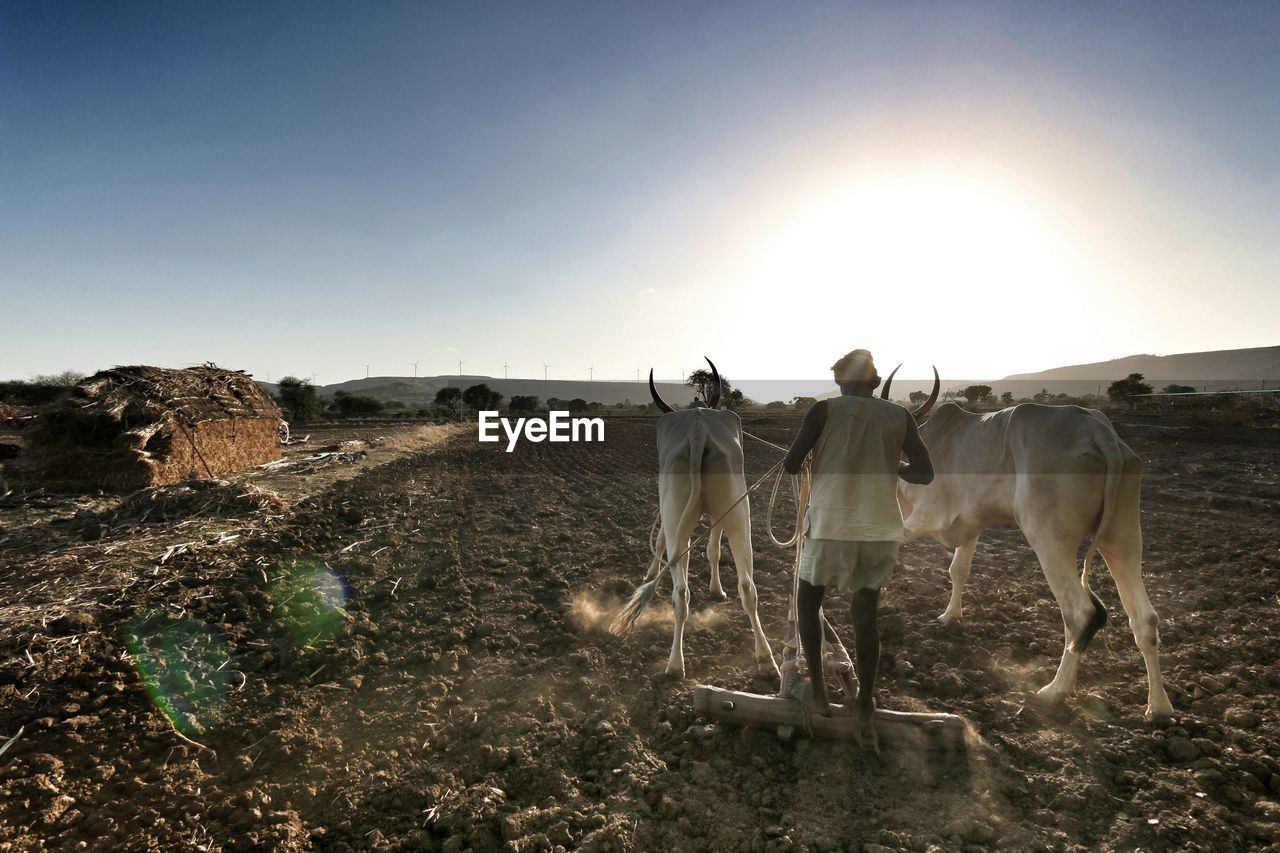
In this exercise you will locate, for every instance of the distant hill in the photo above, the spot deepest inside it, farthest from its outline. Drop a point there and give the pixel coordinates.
(417, 391)
(412, 390)
(1231, 365)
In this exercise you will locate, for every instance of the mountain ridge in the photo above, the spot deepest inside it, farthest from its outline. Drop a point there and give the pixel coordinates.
(1235, 365)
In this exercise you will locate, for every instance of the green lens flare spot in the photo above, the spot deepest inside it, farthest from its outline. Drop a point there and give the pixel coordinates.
(183, 665)
(310, 600)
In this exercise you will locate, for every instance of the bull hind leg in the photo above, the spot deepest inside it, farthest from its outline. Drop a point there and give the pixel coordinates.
(959, 571)
(1082, 613)
(1125, 562)
(677, 531)
(740, 546)
(713, 557)
(679, 603)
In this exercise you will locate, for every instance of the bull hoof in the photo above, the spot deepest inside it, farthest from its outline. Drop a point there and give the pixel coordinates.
(949, 619)
(1051, 696)
(719, 595)
(1159, 716)
(674, 674)
(766, 667)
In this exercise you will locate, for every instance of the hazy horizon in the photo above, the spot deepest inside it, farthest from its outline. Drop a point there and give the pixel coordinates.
(997, 188)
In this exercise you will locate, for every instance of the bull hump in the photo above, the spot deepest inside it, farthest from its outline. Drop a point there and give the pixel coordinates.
(680, 427)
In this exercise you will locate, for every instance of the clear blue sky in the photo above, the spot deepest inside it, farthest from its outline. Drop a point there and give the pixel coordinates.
(309, 187)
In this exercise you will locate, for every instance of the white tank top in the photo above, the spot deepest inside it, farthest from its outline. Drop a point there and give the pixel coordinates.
(855, 472)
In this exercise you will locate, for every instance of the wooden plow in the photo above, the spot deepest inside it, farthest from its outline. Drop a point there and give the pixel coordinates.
(787, 715)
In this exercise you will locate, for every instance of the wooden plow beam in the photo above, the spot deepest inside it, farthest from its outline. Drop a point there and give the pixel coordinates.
(917, 731)
(923, 732)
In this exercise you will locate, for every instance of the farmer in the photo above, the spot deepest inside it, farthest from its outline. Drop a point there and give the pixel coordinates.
(853, 526)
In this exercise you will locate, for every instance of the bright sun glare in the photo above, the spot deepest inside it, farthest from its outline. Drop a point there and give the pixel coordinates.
(951, 260)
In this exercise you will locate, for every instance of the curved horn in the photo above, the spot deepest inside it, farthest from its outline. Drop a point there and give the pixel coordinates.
(715, 386)
(884, 392)
(933, 397)
(653, 389)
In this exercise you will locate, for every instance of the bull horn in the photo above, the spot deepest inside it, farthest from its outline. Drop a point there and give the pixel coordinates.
(933, 397)
(884, 392)
(653, 389)
(715, 386)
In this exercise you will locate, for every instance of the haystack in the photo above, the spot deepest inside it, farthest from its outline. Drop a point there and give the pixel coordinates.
(134, 427)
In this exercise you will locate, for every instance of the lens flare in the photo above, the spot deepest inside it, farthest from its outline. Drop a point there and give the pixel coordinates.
(183, 666)
(311, 601)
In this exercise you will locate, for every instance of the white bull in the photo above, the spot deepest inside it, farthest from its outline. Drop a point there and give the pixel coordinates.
(700, 472)
(1060, 473)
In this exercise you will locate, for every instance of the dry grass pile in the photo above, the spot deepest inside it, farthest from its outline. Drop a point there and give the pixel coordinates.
(197, 498)
(133, 427)
(424, 437)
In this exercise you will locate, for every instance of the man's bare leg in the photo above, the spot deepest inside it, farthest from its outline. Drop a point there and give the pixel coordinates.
(808, 611)
(866, 635)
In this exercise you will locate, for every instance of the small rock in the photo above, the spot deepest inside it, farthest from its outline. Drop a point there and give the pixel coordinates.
(1207, 747)
(1044, 817)
(702, 774)
(1211, 684)
(43, 762)
(1181, 749)
(980, 832)
(56, 810)
(1242, 717)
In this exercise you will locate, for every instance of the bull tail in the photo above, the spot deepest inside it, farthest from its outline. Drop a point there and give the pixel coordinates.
(1110, 497)
(626, 618)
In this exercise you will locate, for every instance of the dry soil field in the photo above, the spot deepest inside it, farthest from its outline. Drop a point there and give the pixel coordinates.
(416, 659)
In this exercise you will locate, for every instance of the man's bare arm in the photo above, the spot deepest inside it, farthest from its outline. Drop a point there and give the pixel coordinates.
(814, 420)
(918, 469)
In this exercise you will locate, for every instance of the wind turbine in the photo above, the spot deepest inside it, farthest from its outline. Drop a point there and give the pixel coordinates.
(545, 368)
(460, 363)
(415, 369)
(504, 369)
(366, 371)
(637, 373)
(591, 373)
